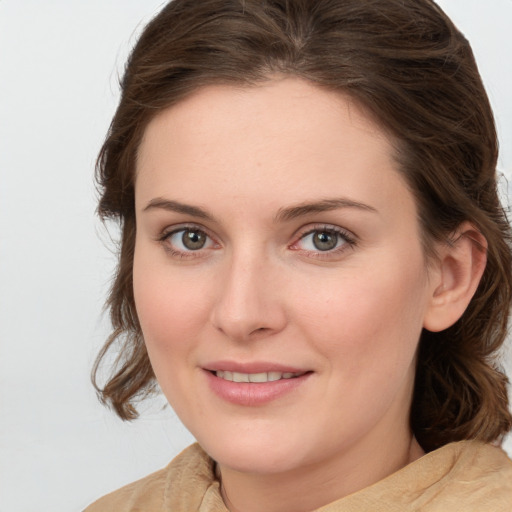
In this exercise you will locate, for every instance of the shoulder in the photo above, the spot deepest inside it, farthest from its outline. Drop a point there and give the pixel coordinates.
(480, 462)
(488, 466)
(489, 454)
(467, 476)
(480, 479)
(476, 477)
(147, 492)
(191, 472)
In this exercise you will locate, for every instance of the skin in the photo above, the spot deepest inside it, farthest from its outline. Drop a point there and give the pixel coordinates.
(259, 289)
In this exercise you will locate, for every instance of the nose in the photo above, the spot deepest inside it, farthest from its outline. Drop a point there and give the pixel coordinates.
(249, 303)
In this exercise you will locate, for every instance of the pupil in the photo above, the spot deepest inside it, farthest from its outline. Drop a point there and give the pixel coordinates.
(193, 240)
(325, 240)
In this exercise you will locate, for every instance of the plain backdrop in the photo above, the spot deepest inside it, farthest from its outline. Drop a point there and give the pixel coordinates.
(59, 67)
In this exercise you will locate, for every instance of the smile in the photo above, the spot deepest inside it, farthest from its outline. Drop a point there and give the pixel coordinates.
(256, 377)
(254, 387)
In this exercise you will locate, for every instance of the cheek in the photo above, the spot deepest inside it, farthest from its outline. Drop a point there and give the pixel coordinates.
(373, 317)
(171, 308)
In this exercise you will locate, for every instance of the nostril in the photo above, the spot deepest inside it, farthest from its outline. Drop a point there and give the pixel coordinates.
(259, 329)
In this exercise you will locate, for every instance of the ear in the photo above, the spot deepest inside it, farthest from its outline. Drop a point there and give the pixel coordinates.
(457, 273)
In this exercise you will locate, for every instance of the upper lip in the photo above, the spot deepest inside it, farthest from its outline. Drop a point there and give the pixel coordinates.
(252, 367)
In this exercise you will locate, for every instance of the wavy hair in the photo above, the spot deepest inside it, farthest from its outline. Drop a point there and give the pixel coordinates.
(406, 63)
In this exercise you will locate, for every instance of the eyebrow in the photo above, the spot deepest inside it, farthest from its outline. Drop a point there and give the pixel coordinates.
(175, 206)
(283, 215)
(325, 205)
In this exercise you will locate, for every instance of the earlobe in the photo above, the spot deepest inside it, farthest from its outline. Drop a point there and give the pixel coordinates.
(459, 269)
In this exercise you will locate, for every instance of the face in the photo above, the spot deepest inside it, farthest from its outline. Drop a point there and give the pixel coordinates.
(279, 277)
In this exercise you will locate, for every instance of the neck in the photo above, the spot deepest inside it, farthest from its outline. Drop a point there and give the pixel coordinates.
(313, 486)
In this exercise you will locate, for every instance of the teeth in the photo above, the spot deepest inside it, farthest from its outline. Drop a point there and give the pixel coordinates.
(240, 377)
(255, 377)
(258, 377)
(272, 376)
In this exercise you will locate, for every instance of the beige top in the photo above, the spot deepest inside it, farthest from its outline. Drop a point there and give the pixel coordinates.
(460, 477)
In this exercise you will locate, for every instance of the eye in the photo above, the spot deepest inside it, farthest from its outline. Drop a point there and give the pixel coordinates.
(186, 240)
(324, 239)
(192, 240)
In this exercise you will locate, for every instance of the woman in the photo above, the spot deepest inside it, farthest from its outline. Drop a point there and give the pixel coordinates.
(315, 266)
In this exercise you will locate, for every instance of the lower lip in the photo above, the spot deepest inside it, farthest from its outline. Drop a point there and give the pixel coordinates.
(253, 393)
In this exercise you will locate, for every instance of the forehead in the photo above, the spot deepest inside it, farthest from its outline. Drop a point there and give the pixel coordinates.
(282, 107)
(284, 139)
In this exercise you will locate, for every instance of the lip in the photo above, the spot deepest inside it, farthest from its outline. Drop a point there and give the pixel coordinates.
(252, 367)
(254, 393)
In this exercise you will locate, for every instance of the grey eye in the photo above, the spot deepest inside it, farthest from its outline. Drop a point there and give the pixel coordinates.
(325, 240)
(188, 242)
(193, 240)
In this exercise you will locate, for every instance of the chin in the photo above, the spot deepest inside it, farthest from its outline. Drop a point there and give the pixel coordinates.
(255, 461)
(257, 453)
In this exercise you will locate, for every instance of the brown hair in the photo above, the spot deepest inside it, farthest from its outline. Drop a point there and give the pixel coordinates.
(407, 64)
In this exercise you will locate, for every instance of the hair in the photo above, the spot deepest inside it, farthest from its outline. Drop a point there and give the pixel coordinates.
(410, 68)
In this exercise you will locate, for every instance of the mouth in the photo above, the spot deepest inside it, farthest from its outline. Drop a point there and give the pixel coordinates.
(254, 384)
(261, 377)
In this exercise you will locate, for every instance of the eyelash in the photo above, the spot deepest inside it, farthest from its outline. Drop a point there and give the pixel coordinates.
(348, 239)
(165, 237)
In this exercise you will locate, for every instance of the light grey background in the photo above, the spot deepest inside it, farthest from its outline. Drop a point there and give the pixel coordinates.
(59, 64)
